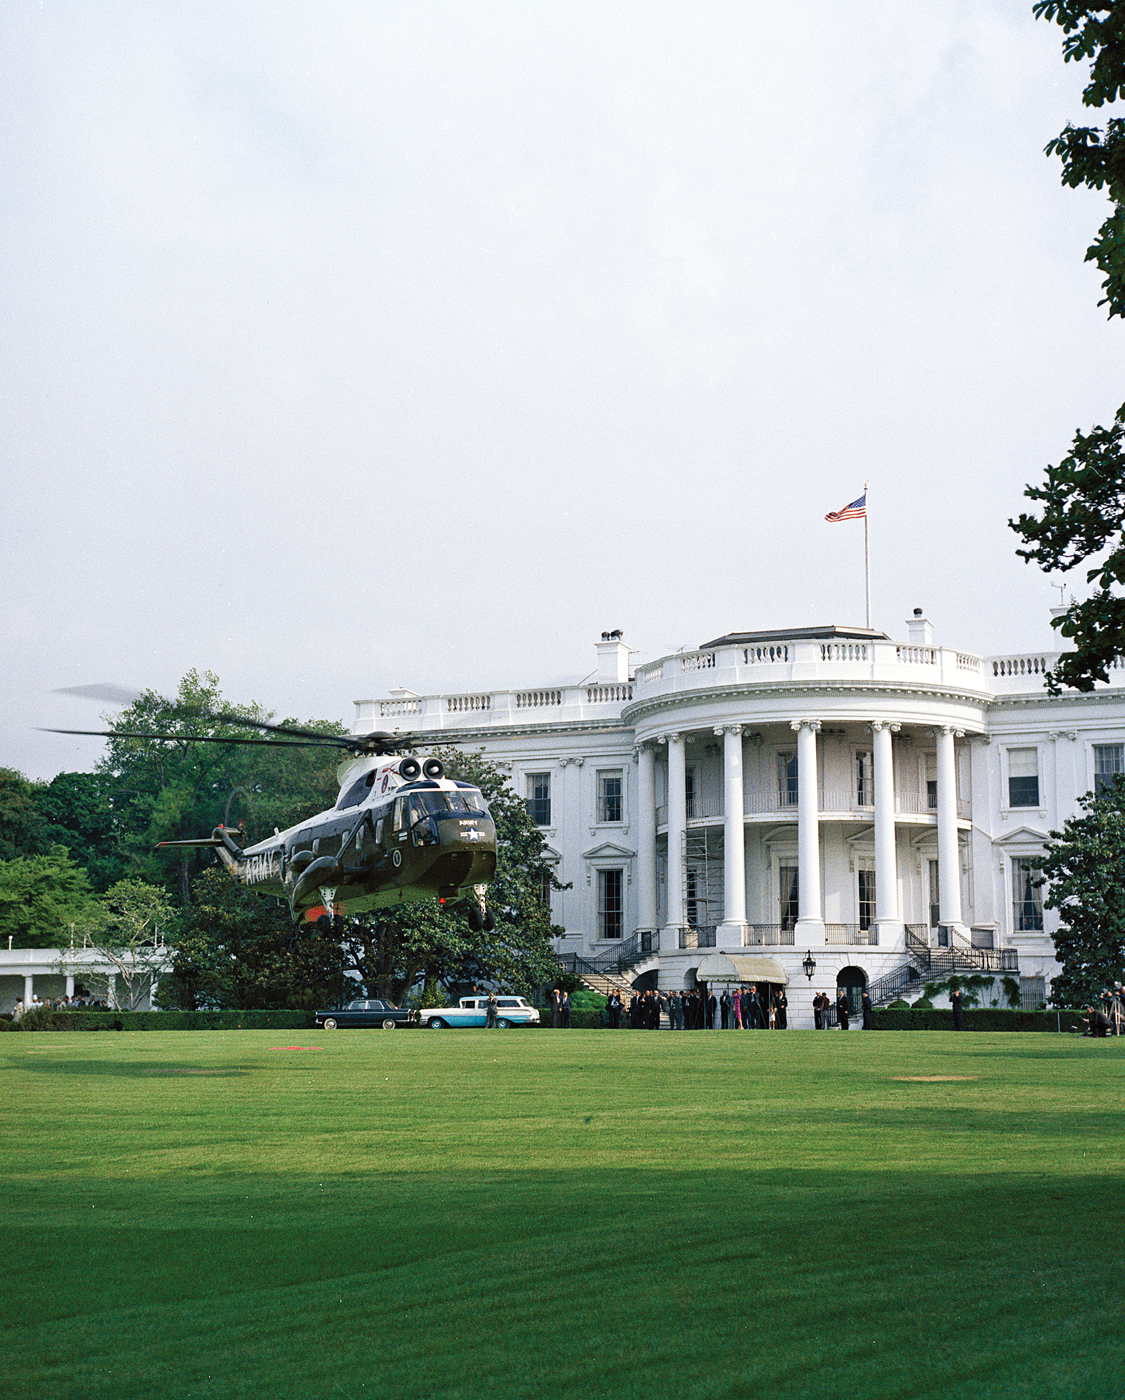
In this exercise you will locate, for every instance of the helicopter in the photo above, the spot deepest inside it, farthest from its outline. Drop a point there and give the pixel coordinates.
(400, 832)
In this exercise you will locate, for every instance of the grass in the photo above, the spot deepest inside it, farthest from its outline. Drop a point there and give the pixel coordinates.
(246, 1213)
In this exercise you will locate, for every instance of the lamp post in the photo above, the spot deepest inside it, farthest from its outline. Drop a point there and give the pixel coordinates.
(809, 965)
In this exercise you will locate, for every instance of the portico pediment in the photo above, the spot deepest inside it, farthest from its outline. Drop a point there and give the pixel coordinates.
(608, 850)
(1020, 837)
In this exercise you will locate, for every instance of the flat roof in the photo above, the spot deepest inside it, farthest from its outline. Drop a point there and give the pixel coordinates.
(798, 634)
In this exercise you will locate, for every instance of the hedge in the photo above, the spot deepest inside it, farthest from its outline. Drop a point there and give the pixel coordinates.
(985, 1019)
(82, 1020)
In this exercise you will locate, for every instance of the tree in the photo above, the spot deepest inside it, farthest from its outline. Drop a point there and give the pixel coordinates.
(21, 821)
(239, 951)
(393, 952)
(176, 789)
(80, 811)
(1084, 866)
(1083, 499)
(43, 898)
(129, 927)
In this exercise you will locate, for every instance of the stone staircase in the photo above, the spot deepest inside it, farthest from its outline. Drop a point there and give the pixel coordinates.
(928, 964)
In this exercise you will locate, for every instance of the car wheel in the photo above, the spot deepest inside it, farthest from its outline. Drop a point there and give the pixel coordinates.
(389, 1025)
(503, 1023)
(329, 1023)
(437, 1024)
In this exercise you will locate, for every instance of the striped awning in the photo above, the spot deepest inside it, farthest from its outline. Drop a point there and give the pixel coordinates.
(731, 967)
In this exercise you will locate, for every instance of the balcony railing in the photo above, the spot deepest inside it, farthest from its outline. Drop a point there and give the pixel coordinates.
(698, 937)
(829, 802)
(767, 936)
(850, 935)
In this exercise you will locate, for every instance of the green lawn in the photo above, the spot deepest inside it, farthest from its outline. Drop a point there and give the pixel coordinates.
(296, 1213)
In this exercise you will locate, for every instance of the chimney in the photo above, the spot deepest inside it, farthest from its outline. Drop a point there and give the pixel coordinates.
(921, 630)
(613, 658)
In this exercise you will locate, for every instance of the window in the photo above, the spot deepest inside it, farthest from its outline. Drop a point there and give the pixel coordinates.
(1023, 777)
(866, 898)
(787, 779)
(689, 791)
(935, 894)
(864, 780)
(610, 804)
(609, 903)
(539, 798)
(1109, 760)
(545, 887)
(1027, 906)
(789, 892)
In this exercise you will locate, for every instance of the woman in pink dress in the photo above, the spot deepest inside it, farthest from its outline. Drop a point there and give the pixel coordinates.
(737, 999)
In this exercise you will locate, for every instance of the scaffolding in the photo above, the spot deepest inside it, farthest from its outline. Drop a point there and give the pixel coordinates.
(702, 871)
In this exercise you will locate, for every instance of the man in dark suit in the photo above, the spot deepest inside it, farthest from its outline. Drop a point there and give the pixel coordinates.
(958, 1010)
(842, 1010)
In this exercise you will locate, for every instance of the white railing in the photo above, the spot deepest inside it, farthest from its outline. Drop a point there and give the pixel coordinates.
(608, 694)
(768, 655)
(843, 651)
(917, 656)
(1021, 665)
(533, 699)
(457, 704)
(389, 708)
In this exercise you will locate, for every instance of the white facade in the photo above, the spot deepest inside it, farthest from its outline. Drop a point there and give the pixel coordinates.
(823, 791)
(47, 973)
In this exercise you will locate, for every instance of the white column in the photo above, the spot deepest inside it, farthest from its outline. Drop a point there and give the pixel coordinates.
(646, 837)
(734, 849)
(677, 829)
(949, 857)
(111, 991)
(888, 918)
(810, 922)
(28, 989)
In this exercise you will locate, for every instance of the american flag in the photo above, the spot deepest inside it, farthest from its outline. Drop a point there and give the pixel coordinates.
(856, 511)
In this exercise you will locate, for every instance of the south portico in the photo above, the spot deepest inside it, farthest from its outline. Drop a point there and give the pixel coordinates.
(806, 800)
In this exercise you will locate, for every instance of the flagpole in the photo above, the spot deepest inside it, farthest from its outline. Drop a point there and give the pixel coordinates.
(867, 555)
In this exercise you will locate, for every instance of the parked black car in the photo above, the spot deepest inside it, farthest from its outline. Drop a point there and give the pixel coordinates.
(367, 1012)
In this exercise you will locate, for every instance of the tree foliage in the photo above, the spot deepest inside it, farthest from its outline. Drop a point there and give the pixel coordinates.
(174, 790)
(129, 928)
(424, 944)
(1083, 497)
(239, 951)
(1084, 866)
(43, 898)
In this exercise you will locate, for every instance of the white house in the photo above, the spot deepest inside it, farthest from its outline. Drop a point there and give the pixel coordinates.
(774, 800)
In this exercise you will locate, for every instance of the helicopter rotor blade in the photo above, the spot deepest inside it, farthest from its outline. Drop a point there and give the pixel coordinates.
(196, 738)
(115, 694)
(376, 744)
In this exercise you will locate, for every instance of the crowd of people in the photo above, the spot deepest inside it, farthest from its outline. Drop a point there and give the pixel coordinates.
(56, 1004)
(740, 1008)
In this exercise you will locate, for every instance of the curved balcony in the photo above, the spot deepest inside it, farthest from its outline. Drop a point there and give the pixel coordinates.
(775, 805)
(813, 661)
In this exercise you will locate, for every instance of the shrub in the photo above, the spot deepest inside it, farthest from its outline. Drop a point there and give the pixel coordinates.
(83, 1020)
(993, 1018)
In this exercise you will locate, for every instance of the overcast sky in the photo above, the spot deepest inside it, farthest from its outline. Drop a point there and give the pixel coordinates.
(355, 346)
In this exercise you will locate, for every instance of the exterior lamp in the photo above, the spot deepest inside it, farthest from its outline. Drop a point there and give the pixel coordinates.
(809, 964)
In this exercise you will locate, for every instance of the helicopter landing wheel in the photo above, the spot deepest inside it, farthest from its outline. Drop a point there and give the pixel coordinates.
(475, 918)
(489, 920)
(324, 925)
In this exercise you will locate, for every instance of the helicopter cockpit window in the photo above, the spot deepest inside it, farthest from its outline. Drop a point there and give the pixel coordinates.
(462, 802)
(356, 793)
